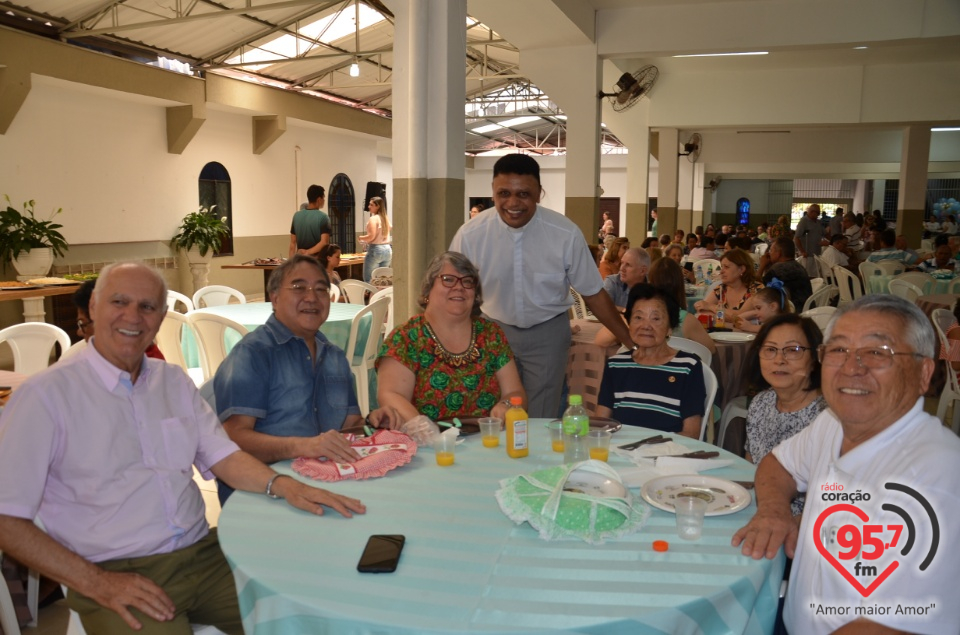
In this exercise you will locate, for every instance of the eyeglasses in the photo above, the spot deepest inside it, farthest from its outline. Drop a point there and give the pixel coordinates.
(468, 282)
(790, 353)
(81, 325)
(873, 357)
(302, 289)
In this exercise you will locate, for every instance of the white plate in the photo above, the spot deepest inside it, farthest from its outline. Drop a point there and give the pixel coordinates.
(593, 484)
(723, 497)
(731, 336)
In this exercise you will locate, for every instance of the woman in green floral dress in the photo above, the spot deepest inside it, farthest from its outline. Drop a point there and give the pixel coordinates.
(448, 361)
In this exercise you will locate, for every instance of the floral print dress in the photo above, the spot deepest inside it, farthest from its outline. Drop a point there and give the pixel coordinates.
(450, 385)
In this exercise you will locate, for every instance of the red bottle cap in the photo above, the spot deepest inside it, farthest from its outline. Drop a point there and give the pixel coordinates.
(661, 545)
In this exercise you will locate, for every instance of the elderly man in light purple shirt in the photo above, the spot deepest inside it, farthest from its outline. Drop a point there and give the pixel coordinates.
(99, 449)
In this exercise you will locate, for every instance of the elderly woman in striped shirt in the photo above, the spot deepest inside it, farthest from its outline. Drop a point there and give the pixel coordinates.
(653, 385)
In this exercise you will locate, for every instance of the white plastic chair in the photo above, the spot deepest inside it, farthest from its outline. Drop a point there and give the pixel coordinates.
(848, 284)
(32, 343)
(761, 248)
(210, 330)
(954, 286)
(821, 297)
(906, 290)
(826, 271)
(579, 308)
(216, 295)
(821, 315)
(923, 281)
(385, 293)
(942, 320)
(173, 297)
(710, 382)
(382, 272)
(816, 284)
(75, 349)
(368, 356)
(170, 339)
(891, 267)
(8, 617)
(736, 407)
(356, 290)
(704, 266)
(690, 346)
(334, 293)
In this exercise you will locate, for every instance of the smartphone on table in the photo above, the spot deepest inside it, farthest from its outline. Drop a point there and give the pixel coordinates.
(381, 554)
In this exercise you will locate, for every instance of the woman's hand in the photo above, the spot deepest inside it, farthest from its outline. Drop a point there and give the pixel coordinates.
(701, 306)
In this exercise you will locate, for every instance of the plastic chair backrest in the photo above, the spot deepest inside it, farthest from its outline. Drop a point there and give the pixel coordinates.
(378, 311)
(826, 271)
(923, 281)
(710, 382)
(821, 315)
(579, 306)
(209, 330)
(382, 272)
(385, 293)
(848, 284)
(690, 346)
(170, 336)
(821, 297)
(891, 267)
(942, 320)
(173, 297)
(216, 295)
(334, 293)
(906, 290)
(705, 265)
(356, 290)
(761, 248)
(32, 343)
(954, 286)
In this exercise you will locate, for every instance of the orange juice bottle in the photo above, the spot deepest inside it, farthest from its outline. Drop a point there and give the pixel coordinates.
(517, 424)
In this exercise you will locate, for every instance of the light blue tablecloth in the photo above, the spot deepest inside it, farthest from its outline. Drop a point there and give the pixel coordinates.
(467, 568)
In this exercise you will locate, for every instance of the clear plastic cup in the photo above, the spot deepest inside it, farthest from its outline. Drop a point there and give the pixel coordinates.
(490, 431)
(598, 442)
(556, 435)
(445, 447)
(690, 510)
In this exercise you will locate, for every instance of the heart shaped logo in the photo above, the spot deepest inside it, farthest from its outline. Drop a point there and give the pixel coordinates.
(862, 515)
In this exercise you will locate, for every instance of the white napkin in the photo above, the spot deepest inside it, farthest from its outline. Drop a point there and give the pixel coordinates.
(664, 462)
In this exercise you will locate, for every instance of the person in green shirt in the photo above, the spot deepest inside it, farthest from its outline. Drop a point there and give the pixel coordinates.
(310, 231)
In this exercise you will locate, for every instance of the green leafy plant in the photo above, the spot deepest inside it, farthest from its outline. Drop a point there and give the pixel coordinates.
(202, 229)
(22, 231)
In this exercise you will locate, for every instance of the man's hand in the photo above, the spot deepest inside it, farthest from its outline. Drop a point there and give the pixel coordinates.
(314, 499)
(386, 418)
(765, 534)
(331, 445)
(117, 591)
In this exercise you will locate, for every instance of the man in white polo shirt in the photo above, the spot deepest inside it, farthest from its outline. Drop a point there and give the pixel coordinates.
(529, 257)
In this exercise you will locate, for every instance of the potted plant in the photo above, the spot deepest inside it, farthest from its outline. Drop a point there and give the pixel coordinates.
(28, 242)
(199, 236)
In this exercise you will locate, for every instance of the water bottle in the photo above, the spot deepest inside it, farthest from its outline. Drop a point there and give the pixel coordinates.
(709, 273)
(576, 425)
(699, 274)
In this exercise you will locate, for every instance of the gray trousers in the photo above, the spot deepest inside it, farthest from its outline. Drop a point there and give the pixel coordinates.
(541, 353)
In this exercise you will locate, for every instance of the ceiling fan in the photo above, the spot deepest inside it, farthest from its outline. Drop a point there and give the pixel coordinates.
(631, 87)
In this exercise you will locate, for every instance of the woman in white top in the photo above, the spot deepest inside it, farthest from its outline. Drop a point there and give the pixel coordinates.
(379, 251)
(949, 225)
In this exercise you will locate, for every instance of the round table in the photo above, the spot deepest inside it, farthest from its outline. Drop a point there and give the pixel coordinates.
(928, 303)
(467, 568)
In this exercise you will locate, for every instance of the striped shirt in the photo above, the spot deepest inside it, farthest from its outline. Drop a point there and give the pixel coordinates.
(658, 397)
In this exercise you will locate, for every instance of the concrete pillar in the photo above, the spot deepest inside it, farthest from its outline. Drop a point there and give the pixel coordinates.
(571, 76)
(684, 194)
(913, 183)
(633, 131)
(667, 182)
(428, 159)
(698, 194)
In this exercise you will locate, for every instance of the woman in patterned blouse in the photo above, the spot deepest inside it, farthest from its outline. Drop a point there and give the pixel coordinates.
(783, 364)
(738, 282)
(448, 361)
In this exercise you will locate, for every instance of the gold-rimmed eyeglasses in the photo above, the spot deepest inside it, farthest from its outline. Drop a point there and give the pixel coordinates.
(873, 357)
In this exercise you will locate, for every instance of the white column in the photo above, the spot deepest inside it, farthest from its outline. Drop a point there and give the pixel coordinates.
(428, 158)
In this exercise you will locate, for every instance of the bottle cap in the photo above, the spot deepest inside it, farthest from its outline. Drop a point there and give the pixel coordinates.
(575, 400)
(661, 545)
(516, 401)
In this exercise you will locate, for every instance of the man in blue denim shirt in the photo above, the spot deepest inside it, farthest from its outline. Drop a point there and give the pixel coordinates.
(285, 391)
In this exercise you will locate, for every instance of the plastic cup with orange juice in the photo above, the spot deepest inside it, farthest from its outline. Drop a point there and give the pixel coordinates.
(599, 443)
(445, 449)
(556, 435)
(490, 431)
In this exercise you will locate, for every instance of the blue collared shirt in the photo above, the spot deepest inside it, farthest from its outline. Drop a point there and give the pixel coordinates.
(269, 375)
(617, 289)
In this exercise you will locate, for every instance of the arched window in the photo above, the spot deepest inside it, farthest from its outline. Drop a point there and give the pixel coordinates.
(743, 211)
(214, 185)
(341, 202)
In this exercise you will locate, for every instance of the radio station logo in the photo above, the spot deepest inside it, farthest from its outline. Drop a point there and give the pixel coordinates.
(865, 544)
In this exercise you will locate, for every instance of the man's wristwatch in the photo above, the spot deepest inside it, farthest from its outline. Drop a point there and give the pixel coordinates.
(269, 490)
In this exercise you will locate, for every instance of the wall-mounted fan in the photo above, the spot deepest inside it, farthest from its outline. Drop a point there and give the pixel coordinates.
(715, 183)
(691, 149)
(631, 87)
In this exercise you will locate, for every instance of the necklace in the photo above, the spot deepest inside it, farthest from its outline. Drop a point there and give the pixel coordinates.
(469, 356)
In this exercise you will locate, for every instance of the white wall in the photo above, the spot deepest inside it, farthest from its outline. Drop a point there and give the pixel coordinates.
(101, 155)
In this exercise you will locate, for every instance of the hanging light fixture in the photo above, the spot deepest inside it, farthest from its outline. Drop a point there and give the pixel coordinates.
(355, 69)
